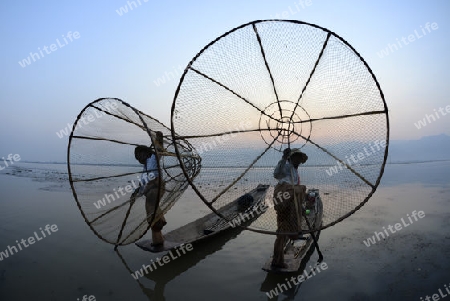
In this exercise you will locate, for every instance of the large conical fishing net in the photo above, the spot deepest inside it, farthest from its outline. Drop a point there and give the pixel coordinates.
(268, 85)
(105, 175)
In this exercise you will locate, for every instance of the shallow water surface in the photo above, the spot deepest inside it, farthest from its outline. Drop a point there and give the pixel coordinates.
(73, 262)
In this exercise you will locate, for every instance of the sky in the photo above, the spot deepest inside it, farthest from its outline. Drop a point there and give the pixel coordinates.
(128, 55)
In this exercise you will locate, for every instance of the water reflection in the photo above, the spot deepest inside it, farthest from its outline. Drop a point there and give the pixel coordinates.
(276, 280)
(167, 272)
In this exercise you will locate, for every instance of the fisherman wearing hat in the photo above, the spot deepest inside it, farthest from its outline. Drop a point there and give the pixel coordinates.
(288, 212)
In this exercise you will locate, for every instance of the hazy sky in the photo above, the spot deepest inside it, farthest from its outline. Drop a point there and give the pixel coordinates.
(113, 55)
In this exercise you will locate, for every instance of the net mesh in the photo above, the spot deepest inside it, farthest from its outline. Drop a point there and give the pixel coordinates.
(104, 172)
(267, 85)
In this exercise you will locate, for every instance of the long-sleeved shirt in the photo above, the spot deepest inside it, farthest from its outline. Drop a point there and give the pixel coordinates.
(285, 172)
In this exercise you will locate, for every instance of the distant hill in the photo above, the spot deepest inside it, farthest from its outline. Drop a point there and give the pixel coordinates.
(428, 148)
(425, 149)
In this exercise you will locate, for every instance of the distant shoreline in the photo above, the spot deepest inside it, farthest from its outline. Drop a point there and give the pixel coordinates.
(230, 166)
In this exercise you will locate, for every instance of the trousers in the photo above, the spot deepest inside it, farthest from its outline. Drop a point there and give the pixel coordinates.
(288, 217)
(151, 198)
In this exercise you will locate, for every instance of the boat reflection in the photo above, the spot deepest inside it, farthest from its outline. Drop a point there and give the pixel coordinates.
(167, 272)
(273, 281)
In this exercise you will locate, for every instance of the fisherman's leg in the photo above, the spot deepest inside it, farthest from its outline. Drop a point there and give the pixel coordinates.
(278, 251)
(280, 241)
(150, 201)
(300, 191)
(278, 256)
(151, 196)
(289, 218)
(159, 222)
(157, 237)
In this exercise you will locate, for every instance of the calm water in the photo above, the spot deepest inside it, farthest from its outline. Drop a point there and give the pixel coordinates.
(73, 262)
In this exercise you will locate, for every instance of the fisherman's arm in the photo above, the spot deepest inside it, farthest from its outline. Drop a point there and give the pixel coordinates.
(279, 171)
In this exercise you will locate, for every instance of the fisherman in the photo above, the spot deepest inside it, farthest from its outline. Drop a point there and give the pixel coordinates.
(151, 182)
(288, 212)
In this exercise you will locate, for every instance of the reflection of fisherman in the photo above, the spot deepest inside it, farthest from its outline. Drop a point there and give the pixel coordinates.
(149, 186)
(288, 213)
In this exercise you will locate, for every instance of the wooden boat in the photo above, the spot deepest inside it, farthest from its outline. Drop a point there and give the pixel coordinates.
(295, 251)
(241, 210)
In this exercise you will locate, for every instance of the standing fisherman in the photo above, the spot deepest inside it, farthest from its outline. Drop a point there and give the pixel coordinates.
(289, 209)
(151, 182)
